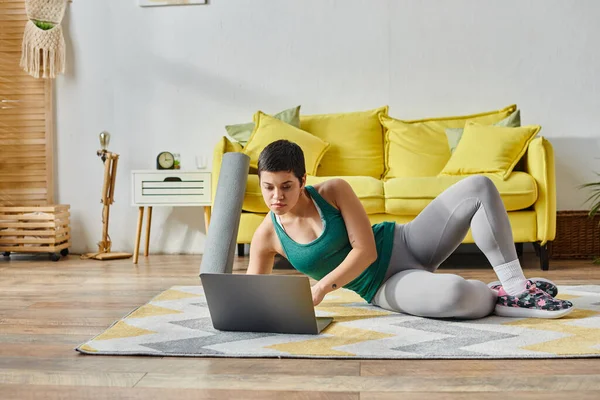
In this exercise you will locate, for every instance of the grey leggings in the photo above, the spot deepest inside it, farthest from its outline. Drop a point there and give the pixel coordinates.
(411, 286)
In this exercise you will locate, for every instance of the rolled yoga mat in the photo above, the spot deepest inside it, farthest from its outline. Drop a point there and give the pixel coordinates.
(226, 213)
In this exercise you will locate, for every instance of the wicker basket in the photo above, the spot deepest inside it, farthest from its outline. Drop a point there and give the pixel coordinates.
(35, 229)
(577, 236)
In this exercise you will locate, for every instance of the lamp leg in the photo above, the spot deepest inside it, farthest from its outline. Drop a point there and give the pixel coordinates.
(105, 245)
(113, 177)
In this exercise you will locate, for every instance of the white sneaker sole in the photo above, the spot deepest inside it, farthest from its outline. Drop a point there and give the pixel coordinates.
(518, 312)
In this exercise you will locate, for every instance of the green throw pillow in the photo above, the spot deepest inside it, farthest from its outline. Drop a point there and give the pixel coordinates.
(242, 132)
(454, 134)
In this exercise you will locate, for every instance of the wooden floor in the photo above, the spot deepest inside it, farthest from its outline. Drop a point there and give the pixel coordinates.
(48, 308)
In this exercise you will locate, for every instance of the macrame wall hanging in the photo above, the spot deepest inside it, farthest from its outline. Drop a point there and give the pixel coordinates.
(43, 52)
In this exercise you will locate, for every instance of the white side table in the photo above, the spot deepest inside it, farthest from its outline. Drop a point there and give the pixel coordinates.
(172, 188)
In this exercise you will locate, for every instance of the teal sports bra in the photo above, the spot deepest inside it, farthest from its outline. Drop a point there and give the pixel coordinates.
(321, 256)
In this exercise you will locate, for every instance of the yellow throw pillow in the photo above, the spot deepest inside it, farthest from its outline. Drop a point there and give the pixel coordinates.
(356, 140)
(268, 130)
(413, 152)
(489, 149)
(420, 147)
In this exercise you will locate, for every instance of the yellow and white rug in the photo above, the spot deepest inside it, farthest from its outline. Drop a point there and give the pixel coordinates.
(177, 323)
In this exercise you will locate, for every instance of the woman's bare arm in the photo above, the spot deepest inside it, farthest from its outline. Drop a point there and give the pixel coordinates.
(262, 253)
(360, 234)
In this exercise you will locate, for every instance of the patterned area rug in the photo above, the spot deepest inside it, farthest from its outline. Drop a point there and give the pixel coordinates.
(177, 323)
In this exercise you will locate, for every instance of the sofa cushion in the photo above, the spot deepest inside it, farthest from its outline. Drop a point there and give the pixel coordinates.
(269, 129)
(369, 191)
(409, 196)
(356, 140)
(242, 132)
(454, 134)
(419, 148)
(490, 149)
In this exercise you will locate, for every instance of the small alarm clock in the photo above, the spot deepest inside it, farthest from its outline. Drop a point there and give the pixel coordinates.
(165, 160)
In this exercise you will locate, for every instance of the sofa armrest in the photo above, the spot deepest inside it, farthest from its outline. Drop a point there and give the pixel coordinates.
(223, 146)
(539, 163)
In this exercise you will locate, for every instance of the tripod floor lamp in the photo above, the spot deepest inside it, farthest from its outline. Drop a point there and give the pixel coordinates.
(110, 161)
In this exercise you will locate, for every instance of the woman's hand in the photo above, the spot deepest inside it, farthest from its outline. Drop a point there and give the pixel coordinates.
(317, 294)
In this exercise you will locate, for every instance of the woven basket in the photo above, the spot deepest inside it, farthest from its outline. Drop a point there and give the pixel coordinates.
(577, 236)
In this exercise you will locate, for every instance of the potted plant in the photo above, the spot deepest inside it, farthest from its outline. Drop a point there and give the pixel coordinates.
(594, 199)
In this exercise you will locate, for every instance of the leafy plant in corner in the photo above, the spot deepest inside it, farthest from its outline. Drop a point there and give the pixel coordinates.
(594, 199)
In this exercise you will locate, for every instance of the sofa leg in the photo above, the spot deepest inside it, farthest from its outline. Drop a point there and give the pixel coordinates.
(536, 247)
(519, 248)
(241, 249)
(542, 253)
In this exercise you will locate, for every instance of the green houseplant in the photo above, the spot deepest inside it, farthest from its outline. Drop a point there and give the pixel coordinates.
(594, 199)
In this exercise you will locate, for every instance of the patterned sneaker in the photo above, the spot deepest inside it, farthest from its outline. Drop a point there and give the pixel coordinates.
(541, 283)
(532, 303)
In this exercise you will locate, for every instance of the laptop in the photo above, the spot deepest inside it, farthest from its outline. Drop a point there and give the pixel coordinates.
(262, 303)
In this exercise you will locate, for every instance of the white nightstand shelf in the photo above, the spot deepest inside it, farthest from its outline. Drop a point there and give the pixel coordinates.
(171, 188)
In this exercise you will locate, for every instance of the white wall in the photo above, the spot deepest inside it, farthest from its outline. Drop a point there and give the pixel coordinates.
(170, 78)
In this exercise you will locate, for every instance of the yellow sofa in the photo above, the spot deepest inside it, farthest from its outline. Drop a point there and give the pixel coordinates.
(528, 192)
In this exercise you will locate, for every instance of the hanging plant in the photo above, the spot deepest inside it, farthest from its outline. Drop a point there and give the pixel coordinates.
(44, 25)
(43, 49)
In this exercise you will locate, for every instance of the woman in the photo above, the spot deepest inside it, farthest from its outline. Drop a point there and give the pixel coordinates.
(324, 231)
